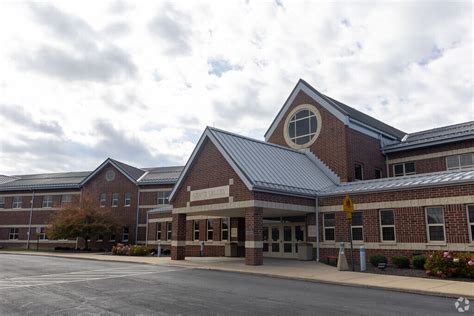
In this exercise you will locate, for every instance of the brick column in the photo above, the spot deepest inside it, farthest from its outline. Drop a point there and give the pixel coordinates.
(253, 236)
(178, 242)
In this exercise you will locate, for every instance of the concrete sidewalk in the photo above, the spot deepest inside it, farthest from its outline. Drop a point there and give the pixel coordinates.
(301, 270)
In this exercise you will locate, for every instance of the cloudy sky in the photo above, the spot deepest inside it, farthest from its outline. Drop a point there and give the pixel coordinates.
(81, 81)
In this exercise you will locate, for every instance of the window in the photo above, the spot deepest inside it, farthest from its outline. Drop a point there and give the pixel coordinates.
(470, 218)
(378, 174)
(2, 202)
(42, 233)
(16, 202)
(404, 169)
(125, 234)
(302, 126)
(100, 237)
(65, 200)
(359, 171)
(163, 197)
(225, 229)
(14, 232)
(210, 229)
(158, 231)
(112, 236)
(169, 230)
(128, 199)
(435, 223)
(387, 225)
(357, 227)
(329, 225)
(460, 161)
(196, 230)
(103, 199)
(47, 201)
(115, 199)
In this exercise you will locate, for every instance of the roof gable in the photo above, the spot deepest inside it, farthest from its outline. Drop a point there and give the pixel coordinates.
(348, 115)
(132, 173)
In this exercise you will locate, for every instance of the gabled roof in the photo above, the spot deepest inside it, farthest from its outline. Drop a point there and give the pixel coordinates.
(267, 167)
(435, 136)
(65, 180)
(161, 175)
(399, 183)
(348, 115)
(5, 179)
(132, 173)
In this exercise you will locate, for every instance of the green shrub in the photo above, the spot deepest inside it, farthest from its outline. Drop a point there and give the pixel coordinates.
(401, 262)
(376, 259)
(449, 264)
(127, 250)
(419, 262)
(139, 250)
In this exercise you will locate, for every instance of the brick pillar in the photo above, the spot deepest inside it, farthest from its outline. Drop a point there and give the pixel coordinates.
(178, 242)
(253, 236)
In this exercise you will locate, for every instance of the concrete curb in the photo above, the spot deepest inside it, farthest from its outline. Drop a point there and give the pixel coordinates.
(271, 275)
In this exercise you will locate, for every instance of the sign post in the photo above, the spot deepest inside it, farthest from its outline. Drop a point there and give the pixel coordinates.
(348, 207)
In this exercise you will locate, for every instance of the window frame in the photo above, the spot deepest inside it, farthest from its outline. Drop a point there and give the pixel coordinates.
(460, 166)
(103, 199)
(65, 200)
(378, 170)
(127, 233)
(227, 221)
(403, 164)
(159, 231)
(14, 231)
(209, 230)
(49, 201)
(115, 199)
(42, 233)
(2, 202)
(163, 200)
(114, 235)
(382, 226)
(128, 199)
(17, 204)
(428, 225)
(169, 230)
(361, 171)
(469, 223)
(198, 230)
(358, 226)
(329, 227)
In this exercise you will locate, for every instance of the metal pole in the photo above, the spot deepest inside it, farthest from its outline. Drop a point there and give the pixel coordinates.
(138, 211)
(146, 230)
(316, 209)
(352, 248)
(31, 216)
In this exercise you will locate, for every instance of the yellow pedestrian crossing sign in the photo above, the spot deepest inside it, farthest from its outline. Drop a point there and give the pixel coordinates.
(348, 207)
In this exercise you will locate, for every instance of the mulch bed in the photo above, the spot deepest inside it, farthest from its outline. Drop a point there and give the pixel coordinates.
(407, 272)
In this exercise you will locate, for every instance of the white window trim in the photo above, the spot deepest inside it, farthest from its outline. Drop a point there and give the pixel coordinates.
(329, 227)
(208, 230)
(169, 232)
(428, 225)
(104, 199)
(115, 199)
(159, 231)
(358, 226)
(129, 199)
(163, 199)
(123, 234)
(16, 232)
(469, 224)
(459, 167)
(17, 204)
(63, 200)
(382, 226)
(286, 133)
(361, 171)
(227, 229)
(196, 230)
(404, 172)
(47, 201)
(42, 236)
(2, 205)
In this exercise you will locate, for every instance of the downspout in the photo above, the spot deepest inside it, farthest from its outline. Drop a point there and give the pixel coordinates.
(316, 209)
(386, 166)
(31, 216)
(138, 211)
(146, 230)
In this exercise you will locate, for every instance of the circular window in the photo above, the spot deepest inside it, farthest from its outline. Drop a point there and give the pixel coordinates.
(110, 175)
(302, 126)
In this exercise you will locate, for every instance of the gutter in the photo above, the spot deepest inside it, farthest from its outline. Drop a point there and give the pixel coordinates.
(31, 216)
(138, 211)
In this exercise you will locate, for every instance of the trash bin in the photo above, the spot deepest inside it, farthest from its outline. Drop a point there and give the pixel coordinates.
(305, 251)
(231, 249)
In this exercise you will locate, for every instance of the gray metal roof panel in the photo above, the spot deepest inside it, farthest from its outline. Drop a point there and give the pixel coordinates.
(161, 175)
(398, 183)
(273, 167)
(444, 134)
(5, 179)
(45, 181)
(132, 172)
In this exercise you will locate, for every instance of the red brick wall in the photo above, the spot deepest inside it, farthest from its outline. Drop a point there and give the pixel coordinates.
(210, 169)
(330, 147)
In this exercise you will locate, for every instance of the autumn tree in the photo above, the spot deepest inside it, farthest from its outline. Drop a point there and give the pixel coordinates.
(84, 222)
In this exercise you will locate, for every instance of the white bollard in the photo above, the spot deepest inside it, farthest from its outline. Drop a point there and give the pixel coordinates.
(362, 259)
(158, 251)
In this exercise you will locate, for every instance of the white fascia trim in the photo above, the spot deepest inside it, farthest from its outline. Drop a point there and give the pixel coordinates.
(102, 165)
(302, 87)
(146, 172)
(368, 130)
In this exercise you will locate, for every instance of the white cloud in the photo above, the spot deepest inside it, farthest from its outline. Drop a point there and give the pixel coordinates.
(153, 75)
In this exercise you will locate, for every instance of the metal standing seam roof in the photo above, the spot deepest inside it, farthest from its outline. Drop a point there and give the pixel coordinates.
(5, 179)
(398, 183)
(132, 172)
(432, 136)
(272, 167)
(161, 175)
(45, 181)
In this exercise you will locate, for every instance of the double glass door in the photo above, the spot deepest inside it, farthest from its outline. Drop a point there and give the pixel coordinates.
(281, 240)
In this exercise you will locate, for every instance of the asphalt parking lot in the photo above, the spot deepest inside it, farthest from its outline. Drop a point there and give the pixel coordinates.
(55, 286)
